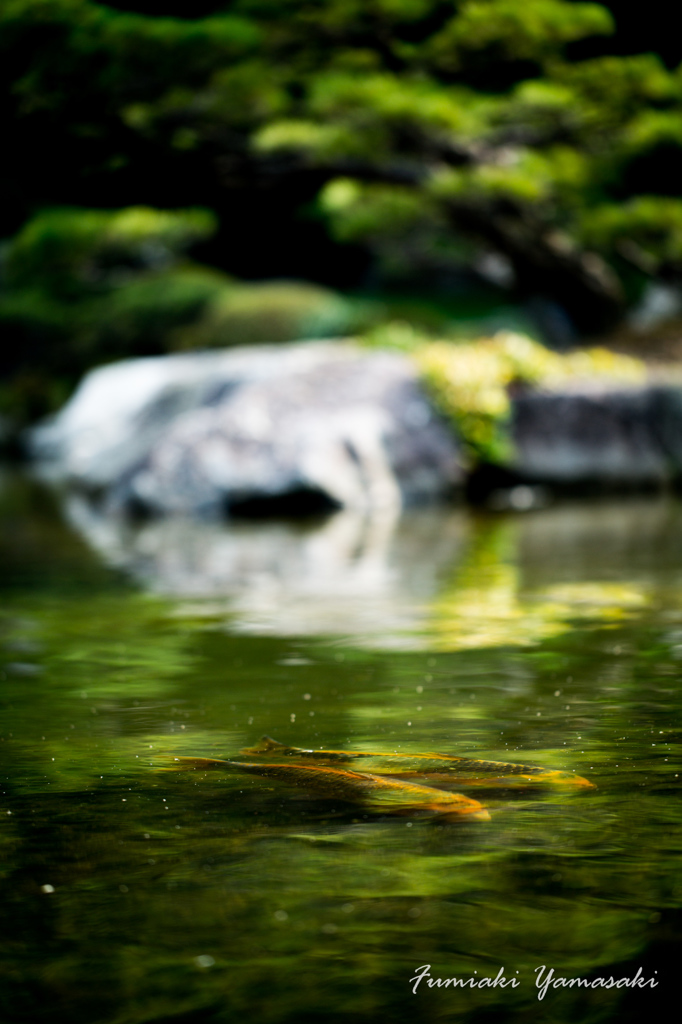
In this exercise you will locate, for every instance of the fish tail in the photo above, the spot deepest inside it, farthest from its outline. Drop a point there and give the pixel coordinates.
(578, 780)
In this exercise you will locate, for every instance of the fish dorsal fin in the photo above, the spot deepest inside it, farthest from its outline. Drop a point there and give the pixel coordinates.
(268, 743)
(264, 746)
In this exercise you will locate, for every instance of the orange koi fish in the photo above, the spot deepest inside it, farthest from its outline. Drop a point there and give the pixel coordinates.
(468, 770)
(373, 790)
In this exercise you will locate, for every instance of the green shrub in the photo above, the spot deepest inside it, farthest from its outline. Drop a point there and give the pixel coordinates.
(140, 317)
(82, 287)
(272, 311)
(71, 252)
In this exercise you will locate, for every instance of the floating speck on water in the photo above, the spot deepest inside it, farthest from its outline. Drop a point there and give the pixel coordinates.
(204, 961)
(47, 888)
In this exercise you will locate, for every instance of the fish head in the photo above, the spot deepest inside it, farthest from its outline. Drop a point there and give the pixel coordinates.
(459, 807)
(479, 813)
(482, 815)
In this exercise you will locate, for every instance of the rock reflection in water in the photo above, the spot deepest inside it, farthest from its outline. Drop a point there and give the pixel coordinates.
(445, 578)
(347, 574)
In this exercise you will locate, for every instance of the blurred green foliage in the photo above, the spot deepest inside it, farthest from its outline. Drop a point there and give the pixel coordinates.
(72, 252)
(415, 137)
(87, 286)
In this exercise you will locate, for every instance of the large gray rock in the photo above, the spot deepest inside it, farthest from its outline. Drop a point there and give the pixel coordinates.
(199, 433)
(203, 432)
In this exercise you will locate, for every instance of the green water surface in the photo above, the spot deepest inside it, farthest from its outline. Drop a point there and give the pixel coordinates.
(133, 894)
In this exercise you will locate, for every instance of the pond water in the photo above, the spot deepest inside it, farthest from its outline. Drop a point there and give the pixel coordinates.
(134, 894)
